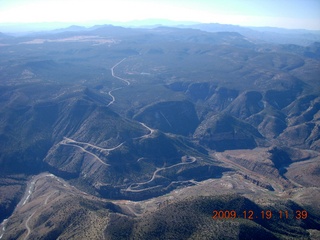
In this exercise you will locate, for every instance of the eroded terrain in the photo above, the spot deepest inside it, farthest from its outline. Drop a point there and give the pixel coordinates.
(129, 133)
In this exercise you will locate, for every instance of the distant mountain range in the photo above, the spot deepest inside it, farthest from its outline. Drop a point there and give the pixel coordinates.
(266, 34)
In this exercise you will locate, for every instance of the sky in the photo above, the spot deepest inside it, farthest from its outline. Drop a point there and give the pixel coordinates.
(292, 14)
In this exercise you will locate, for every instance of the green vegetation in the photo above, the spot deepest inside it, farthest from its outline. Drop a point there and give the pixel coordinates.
(135, 114)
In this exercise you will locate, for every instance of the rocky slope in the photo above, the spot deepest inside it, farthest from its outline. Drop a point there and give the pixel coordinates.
(137, 127)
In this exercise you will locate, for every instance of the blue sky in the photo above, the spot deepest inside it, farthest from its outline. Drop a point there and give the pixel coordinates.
(274, 13)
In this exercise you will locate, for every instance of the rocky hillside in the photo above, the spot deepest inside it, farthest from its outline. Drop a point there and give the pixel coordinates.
(152, 128)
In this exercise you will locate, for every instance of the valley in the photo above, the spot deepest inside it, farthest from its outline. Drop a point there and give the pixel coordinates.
(124, 133)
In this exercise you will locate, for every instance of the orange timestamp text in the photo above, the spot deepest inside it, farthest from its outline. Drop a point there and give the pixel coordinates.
(264, 214)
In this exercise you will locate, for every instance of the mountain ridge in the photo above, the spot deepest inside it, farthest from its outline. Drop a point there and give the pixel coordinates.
(127, 125)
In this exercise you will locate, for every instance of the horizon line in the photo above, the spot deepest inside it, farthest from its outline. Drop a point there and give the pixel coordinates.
(130, 24)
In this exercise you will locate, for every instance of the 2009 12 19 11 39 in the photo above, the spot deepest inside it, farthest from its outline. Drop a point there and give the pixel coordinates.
(264, 214)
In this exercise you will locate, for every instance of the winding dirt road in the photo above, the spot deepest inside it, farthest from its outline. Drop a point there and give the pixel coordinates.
(25, 200)
(95, 156)
(151, 131)
(113, 97)
(115, 76)
(83, 146)
(27, 226)
(69, 140)
(119, 78)
(156, 172)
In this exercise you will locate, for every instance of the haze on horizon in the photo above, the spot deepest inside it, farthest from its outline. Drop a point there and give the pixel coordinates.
(293, 14)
